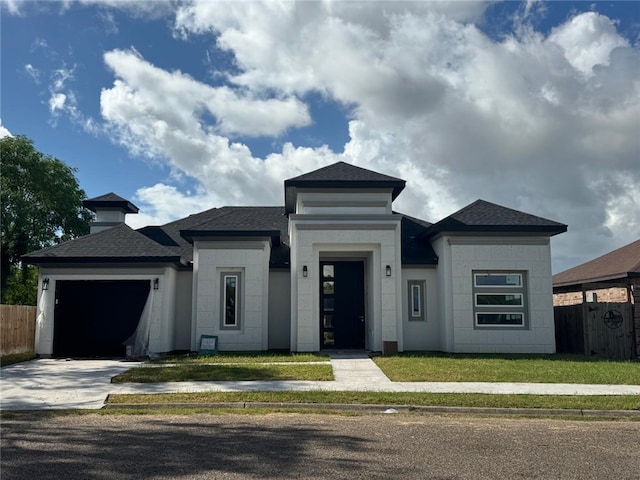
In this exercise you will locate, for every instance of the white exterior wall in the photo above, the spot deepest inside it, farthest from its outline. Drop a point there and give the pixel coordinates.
(184, 287)
(459, 257)
(113, 216)
(279, 310)
(422, 334)
(251, 259)
(337, 201)
(161, 334)
(376, 240)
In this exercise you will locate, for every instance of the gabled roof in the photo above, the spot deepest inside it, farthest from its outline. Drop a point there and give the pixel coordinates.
(621, 263)
(113, 245)
(486, 217)
(340, 175)
(110, 200)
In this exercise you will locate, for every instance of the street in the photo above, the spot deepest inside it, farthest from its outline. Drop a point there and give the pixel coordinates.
(200, 446)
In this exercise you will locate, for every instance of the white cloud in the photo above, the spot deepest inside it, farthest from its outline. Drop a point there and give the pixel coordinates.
(57, 102)
(587, 40)
(14, 7)
(178, 101)
(4, 132)
(62, 99)
(547, 125)
(33, 72)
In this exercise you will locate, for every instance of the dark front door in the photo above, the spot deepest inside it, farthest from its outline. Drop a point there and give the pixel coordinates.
(342, 305)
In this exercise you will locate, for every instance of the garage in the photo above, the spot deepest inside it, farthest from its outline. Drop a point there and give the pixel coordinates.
(94, 318)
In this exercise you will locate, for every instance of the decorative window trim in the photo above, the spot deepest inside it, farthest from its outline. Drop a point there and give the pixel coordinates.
(416, 304)
(505, 286)
(237, 300)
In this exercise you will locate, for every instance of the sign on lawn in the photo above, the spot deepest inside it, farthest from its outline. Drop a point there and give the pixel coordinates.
(208, 345)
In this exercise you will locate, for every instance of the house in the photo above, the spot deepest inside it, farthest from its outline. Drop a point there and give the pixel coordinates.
(335, 267)
(610, 278)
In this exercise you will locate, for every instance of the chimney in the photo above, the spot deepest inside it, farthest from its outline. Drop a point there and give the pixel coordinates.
(110, 210)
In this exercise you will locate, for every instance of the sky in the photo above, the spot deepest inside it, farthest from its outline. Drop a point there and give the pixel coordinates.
(183, 106)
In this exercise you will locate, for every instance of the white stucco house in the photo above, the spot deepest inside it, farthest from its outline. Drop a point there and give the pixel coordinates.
(334, 268)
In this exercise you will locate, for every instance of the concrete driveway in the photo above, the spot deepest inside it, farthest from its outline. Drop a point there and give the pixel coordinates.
(58, 383)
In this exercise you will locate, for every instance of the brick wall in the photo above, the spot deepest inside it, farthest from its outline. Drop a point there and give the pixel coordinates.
(617, 295)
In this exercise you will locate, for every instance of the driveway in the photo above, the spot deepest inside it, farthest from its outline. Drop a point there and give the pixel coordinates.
(58, 383)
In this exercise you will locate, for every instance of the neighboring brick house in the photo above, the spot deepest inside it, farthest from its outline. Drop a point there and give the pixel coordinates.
(335, 267)
(613, 277)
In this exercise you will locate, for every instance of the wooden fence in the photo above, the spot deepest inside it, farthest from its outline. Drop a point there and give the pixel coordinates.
(599, 329)
(17, 329)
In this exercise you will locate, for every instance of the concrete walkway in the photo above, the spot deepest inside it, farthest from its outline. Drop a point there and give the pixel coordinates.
(47, 384)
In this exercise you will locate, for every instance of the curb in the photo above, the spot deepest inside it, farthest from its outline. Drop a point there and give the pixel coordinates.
(543, 412)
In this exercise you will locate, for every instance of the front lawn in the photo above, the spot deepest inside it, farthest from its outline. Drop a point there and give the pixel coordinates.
(249, 371)
(244, 357)
(436, 367)
(587, 402)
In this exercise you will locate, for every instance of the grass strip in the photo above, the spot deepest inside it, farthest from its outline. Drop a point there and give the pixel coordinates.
(556, 368)
(243, 357)
(194, 372)
(16, 358)
(591, 402)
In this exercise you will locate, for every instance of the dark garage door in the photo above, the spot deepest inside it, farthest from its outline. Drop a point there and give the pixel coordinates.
(93, 318)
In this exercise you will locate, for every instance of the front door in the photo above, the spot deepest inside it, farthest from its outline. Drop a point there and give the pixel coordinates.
(342, 305)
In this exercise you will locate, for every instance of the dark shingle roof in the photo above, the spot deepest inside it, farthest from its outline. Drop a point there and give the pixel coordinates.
(486, 217)
(247, 222)
(340, 175)
(414, 250)
(621, 263)
(116, 244)
(169, 236)
(110, 200)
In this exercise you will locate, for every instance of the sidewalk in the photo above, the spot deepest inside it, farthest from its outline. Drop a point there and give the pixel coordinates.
(59, 384)
(356, 372)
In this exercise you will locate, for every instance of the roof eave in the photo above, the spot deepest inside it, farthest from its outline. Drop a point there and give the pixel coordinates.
(103, 260)
(600, 279)
(192, 235)
(543, 230)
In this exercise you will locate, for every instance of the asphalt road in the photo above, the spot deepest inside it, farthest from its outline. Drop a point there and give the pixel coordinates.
(315, 446)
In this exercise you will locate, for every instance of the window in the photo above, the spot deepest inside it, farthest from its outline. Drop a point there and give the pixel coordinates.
(231, 300)
(416, 289)
(499, 299)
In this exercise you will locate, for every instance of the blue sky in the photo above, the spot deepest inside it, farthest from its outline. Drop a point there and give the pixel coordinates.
(183, 106)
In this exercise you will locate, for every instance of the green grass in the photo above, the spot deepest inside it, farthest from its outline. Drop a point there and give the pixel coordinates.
(434, 367)
(194, 372)
(16, 358)
(244, 357)
(591, 402)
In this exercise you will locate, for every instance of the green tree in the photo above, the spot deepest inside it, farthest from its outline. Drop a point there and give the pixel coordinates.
(41, 204)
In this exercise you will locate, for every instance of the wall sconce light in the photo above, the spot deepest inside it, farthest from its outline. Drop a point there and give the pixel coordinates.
(45, 284)
(388, 270)
(305, 271)
(156, 283)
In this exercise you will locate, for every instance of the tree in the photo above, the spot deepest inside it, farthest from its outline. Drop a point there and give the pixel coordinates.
(41, 203)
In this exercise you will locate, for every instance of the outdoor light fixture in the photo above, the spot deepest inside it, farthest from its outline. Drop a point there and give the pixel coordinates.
(305, 271)
(388, 270)
(45, 284)
(156, 283)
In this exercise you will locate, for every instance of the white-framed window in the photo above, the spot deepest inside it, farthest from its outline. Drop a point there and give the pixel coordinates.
(499, 299)
(230, 300)
(416, 302)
